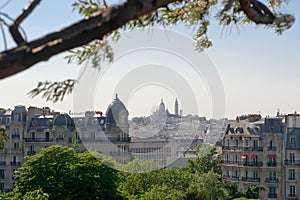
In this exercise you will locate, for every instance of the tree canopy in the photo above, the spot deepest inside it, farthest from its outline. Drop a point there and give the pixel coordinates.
(64, 174)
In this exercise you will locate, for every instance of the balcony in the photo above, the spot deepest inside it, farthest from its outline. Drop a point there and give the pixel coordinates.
(292, 162)
(15, 136)
(228, 162)
(105, 140)
(30, 153)
(231, 148)
(60, 140)
(251, 179)
(258, 148)
(271, 164)
(272, 195)
(235, 178)
(38, 140)
(272, 149)
(2, 163)
(272, 180)
(15, 164)
(14, 150)
(253, 164)
(120, 154)
(293, 178)
(292, 196)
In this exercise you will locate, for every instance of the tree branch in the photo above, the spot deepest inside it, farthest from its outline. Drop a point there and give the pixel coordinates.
(257, 12)
(14, 28)
(95, 27)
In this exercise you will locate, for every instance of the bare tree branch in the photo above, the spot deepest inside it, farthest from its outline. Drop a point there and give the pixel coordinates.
(14, 28)
(257, 12)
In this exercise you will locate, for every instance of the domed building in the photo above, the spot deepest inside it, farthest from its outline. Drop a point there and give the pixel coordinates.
(117, 129)
(117, 115)
(64, 121)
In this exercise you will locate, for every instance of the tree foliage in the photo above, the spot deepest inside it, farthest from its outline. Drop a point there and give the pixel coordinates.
(3, 136)
(63, 174)
(206, 161)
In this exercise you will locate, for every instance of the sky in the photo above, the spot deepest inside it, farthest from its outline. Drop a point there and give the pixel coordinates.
(254, 70)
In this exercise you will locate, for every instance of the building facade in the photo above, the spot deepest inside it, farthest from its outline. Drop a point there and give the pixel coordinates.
(264, 152)
(30, 130)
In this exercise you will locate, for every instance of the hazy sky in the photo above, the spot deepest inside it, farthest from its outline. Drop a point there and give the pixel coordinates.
(259, 70)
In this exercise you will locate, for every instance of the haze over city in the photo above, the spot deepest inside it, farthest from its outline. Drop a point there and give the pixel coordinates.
(256, 78)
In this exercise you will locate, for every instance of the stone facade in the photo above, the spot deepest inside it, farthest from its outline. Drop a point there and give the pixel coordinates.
(264, 152)
(30, 130)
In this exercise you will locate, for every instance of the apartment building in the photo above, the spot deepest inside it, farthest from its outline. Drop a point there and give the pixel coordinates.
(264, 151)
(30, 130)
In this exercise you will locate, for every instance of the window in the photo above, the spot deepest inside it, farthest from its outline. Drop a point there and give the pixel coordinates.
(272, 190)
(272, 159)
(227, 158)
(228, 142)
(292, 191)
(2, 186)
(47, 136)
(246, 142)
(16, 117)
(31, 148)
(16, 133)
(292, 158)
(92, 135)
(236, 173)
(16, 146)
(15, 159)
(60, 136)
(293, 142)
(227, 173)
(2, 173)
(246, 174)
(236, 143)
(254, 158)
(255, 143)
(272, 175)
(255, 174)
(32, 135)
(235, 158)
(292, 174)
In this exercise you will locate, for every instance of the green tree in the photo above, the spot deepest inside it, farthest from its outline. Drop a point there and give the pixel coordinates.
(207, 186)
(3, 136)
(63, 174)
(252, 192)
(207, 160)
(145, 185)
(163, 192)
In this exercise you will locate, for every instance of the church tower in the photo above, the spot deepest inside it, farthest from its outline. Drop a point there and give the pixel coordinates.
(176, 107)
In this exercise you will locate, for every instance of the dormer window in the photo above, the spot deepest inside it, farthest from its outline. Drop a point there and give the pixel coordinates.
(293, 141)
(95, 122)
(34, 123)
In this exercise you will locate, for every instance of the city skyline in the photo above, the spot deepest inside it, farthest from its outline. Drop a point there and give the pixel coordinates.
(259, 69)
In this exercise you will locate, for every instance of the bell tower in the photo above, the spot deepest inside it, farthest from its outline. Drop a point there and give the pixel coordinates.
(176, 107)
